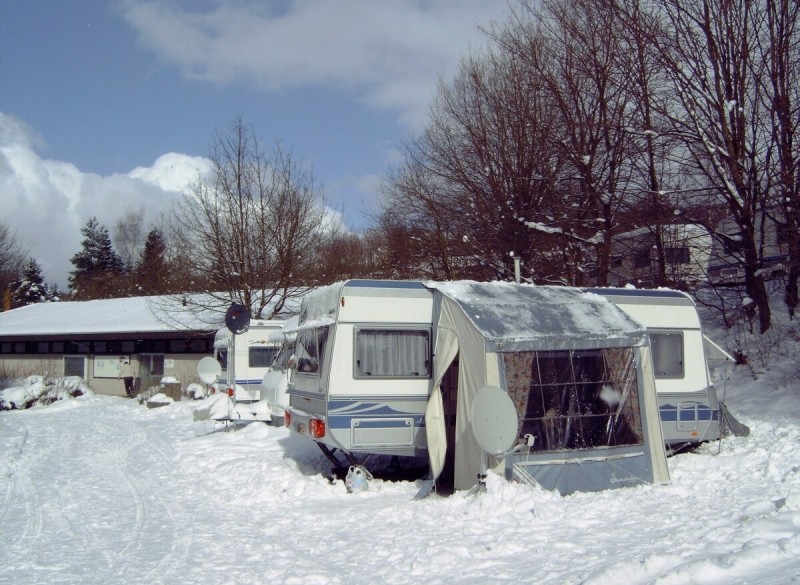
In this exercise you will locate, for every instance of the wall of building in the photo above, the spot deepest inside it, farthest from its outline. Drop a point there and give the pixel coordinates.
(97, 369)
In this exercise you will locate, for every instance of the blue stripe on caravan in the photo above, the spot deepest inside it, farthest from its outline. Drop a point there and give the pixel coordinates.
(342, 412)
(669, 413)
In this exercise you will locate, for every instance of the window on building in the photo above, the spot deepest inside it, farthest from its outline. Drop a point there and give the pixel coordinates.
(76, 347)
(392, 353)
(75, 365)
(198, 345)
(151, 369)
(641, 258)
(676, 255)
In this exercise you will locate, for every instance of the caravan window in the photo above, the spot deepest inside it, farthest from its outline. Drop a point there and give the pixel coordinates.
(284, 353)
(667, 354)
(392, 353)
(576, 399)
(310, 347)
(261, 357)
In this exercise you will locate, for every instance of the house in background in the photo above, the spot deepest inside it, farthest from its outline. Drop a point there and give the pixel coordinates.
(726, 262)
(159, 335)
(687, 252)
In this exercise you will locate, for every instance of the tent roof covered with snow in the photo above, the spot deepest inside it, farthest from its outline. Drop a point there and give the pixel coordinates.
(521, 317)
(577, 370)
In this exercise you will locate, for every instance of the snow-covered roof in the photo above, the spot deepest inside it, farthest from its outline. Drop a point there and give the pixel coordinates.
(519, 317)
(125, 315)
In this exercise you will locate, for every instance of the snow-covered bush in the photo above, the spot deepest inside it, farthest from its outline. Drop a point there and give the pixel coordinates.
(195, 391)
(38, 390)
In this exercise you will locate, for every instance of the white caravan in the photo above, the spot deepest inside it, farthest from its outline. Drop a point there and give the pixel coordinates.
(275, 383)
(246, 356)
(400, 368)
(344, 393)
(689, 408)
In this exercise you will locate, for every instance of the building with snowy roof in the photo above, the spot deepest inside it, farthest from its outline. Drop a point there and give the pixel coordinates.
(161, 336)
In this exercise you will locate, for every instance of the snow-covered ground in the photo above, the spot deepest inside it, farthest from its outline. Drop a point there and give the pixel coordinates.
(100, 489)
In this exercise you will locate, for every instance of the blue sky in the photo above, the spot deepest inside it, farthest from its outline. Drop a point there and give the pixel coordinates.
(111, 106)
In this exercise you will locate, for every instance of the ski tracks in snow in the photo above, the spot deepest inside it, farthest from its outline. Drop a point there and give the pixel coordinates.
(113, 522)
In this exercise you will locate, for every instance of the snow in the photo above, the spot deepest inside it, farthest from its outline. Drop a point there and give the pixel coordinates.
(145, 314)
(100, 489)
(541, 316)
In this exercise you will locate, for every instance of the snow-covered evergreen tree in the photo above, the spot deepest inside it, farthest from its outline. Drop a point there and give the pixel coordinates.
(98, 267)
(31, 288)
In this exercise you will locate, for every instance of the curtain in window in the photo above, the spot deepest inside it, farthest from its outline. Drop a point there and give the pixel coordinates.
(392, 353)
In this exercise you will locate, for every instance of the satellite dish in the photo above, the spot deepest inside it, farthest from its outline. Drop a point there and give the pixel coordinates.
(494, 420)
(237, 319)
(209, 370)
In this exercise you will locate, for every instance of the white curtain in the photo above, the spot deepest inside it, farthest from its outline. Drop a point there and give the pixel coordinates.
(392, 353)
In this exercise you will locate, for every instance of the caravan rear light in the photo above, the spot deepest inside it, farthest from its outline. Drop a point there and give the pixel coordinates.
(287, 418)
(230, 392)
(316, 428)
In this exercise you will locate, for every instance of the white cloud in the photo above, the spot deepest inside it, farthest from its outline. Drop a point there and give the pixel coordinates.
(47, 202)
(389, 53)
(172, 171)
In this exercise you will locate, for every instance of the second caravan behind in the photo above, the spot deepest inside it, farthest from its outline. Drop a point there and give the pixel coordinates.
(689, 407)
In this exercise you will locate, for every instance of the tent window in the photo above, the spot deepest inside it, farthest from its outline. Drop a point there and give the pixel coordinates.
(576, 399)
(311, 350)
(667, 354)
(392, 353)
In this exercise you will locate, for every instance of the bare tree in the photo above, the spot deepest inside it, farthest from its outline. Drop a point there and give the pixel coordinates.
(580, 50)
(129, 237)
(481, 170)
(780, 49)
(250, 229)
(715, 54)
(12, 258)
(414, 200)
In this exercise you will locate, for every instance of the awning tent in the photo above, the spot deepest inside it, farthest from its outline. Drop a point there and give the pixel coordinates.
(578, 371)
